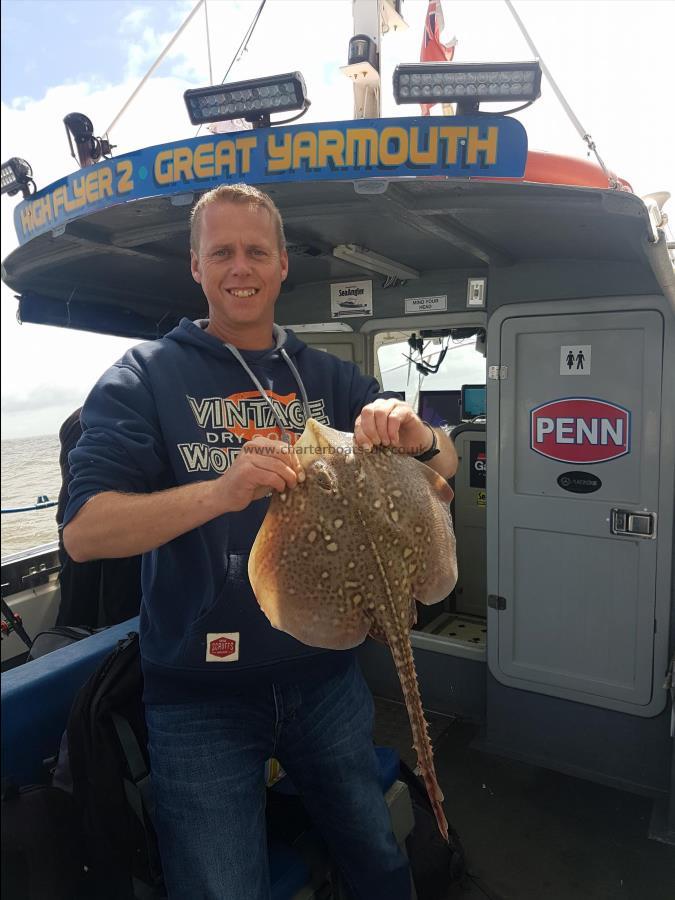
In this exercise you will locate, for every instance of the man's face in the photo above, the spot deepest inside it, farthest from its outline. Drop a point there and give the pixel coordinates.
(240, 265)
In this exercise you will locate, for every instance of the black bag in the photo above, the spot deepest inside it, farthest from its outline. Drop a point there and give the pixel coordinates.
(435, 864)
(105, 757)
(99, 593)
(55, 638)
(41, 844)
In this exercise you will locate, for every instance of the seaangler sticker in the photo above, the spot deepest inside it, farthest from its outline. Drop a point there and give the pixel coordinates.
(351, 298)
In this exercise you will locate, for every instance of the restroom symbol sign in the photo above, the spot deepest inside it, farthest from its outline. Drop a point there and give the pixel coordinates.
(575, 359)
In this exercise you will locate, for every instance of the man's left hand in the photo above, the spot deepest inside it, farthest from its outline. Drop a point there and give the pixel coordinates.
(392, 423)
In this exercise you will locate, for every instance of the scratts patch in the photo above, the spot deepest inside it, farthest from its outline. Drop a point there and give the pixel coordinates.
(222, 647)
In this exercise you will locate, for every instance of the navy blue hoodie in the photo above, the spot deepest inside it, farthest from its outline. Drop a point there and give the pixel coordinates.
(175, 411)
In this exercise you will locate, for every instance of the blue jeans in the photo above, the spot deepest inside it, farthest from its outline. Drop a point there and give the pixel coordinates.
(207, 762)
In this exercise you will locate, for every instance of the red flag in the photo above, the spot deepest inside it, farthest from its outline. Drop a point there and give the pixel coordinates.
(433, 49)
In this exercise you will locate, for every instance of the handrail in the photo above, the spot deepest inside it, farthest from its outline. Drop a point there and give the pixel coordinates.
(39, 504)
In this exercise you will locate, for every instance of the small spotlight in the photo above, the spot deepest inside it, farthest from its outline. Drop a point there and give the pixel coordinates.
(467, 84)
(254, 101)
(89, 148)
(362, 50)
(16, 175)
(363, 65)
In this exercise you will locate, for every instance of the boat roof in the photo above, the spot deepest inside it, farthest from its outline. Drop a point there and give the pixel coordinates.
(123, 267)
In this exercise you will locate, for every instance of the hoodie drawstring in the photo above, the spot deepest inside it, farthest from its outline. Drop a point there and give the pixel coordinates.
(298, 380)
(285, 436)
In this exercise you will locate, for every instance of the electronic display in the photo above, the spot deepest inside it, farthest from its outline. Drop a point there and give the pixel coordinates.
(473, 402)
(440, 408)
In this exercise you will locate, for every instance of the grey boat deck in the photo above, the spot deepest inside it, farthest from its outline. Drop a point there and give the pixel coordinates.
(533, 834)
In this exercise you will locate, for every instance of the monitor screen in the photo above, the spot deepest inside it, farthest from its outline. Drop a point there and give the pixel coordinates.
(440, 408)
(473, 401)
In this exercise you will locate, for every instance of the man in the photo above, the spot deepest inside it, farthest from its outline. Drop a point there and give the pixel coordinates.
(185, 438)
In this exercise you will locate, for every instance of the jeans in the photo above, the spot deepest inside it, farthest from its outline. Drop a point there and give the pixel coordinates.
(207, 762)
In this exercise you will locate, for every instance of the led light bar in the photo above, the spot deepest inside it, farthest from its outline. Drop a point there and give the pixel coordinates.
(449, 82)
(250, 100)
(16, 175)
(374, 262)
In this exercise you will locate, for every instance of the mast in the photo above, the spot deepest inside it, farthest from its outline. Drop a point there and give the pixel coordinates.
(371, 19)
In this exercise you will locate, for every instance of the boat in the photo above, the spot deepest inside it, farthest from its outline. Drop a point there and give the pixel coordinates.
(550, 667)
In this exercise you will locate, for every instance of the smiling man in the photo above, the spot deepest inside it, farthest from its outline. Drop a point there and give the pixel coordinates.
(184, 439)
(238, 256)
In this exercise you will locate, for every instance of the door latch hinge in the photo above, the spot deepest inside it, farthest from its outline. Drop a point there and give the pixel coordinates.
(498, 373)
(496, 602)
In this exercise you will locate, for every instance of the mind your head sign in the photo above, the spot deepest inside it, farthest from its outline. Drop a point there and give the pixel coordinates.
(452, 146)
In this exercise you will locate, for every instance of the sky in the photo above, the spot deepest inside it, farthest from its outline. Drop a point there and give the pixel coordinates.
(611, 58)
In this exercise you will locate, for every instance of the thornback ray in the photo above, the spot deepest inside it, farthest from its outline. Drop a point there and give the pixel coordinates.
(348, 551)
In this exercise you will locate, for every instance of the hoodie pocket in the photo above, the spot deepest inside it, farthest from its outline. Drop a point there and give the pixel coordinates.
(212, 604)
(234, 630)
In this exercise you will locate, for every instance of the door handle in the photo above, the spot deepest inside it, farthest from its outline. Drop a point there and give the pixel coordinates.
(636, 524)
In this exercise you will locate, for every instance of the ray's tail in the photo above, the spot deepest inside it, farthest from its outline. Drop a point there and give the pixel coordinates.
(405, 667)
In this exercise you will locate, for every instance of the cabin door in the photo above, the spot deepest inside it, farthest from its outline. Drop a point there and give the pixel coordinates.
(577, 481)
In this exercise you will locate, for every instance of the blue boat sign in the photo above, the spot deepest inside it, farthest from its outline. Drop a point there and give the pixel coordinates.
(450, 146)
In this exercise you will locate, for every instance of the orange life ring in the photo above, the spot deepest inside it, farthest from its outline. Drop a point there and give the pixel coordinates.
(551, 168)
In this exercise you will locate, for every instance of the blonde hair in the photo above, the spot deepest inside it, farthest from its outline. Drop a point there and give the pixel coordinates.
(235, 193)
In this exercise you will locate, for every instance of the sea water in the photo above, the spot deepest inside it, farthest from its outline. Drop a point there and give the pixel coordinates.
(30, 468)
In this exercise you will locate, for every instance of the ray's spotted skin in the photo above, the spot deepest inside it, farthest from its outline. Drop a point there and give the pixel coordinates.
(349, 551)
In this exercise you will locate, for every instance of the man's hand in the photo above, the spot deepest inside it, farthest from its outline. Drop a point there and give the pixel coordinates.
(392, 423)
(113, 524)
(262, 466)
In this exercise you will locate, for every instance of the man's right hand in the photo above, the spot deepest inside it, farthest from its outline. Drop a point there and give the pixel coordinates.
(261, 466)
(113, 524)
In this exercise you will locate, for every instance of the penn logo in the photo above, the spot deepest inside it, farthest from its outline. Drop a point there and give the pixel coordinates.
(580, 430)
(222, 647)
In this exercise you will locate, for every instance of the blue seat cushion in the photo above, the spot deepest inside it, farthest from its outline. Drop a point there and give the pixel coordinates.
(37, 696)
(389, 761)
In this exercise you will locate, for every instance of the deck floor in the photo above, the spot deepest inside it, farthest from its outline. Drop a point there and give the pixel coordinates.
(532, 834)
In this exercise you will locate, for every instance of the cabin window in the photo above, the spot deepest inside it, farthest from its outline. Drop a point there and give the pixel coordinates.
(436, 396)
(458, 621)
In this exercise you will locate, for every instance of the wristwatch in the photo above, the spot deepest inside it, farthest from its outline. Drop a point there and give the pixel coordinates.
(433, 450)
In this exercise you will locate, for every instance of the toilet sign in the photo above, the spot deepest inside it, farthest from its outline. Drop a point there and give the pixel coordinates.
(580, 430)
(575, 359)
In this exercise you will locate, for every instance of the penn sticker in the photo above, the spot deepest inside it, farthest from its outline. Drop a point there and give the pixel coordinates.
(580, 430)
(222, 647)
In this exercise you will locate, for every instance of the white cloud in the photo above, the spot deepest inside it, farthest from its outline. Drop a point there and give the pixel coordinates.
(21, 102)
(133, 20)
(39, 398)
(143, 43)
(612, 61)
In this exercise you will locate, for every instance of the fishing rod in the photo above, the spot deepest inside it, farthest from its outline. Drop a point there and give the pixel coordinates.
(11, 622)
